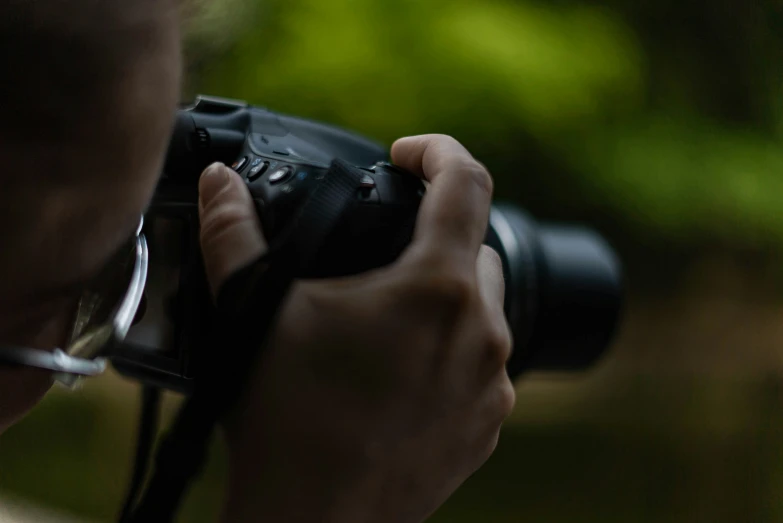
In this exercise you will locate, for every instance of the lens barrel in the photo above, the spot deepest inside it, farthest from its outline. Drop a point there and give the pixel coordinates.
(563, 291)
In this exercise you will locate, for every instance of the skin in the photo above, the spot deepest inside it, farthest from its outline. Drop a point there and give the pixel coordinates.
(73, 226)
(378, 394)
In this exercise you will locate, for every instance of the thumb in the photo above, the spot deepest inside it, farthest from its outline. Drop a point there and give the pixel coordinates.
(231, 235)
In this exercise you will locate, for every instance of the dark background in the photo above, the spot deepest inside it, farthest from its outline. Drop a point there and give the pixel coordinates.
(658, 122)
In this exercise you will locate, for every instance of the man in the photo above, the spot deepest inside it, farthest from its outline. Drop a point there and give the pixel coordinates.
(89, 92)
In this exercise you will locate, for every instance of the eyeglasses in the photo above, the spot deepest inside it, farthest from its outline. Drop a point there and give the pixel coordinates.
(105, 314)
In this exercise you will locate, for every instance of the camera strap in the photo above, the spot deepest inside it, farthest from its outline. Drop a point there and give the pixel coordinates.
(247, 308)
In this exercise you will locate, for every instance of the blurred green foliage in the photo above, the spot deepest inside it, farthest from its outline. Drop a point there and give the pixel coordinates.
(650, 450)
(658, 121)
(662, 117)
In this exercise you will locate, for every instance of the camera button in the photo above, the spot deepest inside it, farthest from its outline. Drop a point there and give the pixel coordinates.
(368, 195)
(280, 175)
(239, 164)
(257, 170)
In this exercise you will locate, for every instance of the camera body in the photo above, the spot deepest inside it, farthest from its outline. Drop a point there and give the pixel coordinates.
(563, 284)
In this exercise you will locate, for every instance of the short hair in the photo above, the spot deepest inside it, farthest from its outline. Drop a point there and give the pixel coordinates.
(65, 67)
(61, 62)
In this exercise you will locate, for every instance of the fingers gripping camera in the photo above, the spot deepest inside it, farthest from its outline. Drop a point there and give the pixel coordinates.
(563, 283)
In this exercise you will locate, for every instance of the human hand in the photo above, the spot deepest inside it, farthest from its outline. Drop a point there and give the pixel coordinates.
(378, 394)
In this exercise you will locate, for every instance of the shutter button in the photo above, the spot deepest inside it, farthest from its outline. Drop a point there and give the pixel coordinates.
(257, 170)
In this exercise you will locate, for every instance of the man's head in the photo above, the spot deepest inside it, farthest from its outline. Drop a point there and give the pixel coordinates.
(86, 104)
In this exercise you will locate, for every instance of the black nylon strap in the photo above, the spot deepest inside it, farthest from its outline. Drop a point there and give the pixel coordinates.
(247, 308)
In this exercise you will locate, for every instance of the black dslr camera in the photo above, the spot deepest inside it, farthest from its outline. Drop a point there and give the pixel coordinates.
(563, 284)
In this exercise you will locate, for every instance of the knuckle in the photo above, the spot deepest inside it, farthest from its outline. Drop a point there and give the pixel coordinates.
(498, 344)
(479, 176)
(439, 146)
(506, 398)
(452, 155)
(433, 274)
(449, 287)
(441, 292)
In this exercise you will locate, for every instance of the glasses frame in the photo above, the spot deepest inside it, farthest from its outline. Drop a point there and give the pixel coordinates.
(69, 368)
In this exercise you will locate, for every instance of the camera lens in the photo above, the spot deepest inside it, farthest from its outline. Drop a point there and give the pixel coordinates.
(563, 291)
